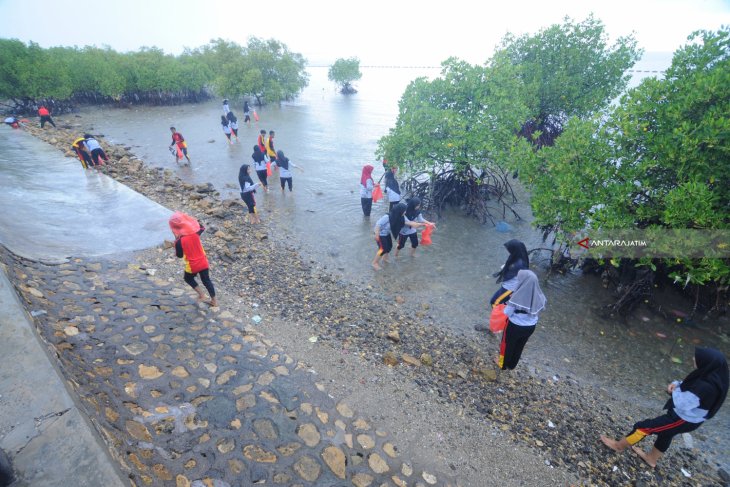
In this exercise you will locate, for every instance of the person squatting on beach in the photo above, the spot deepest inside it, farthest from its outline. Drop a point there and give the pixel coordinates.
(392, 188)
(366, 189)
(407, 231)
(45, 116)
(226, 128)
(285, 173)
(79, 148)
(97, 153)
(517, 261)
(248, 188)
(383, 230)
(693, 401)
(188, 246)
(523, 307)
(259, 164)
(182, 146)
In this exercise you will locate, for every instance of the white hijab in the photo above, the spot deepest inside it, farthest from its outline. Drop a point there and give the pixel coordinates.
(528, 296)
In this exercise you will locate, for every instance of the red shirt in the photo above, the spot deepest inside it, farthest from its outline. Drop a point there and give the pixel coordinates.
(178, 138)
(43, 112)
(193, 253)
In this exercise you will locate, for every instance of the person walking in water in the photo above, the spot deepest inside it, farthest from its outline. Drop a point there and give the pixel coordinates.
(233, 124)
(79, 148)
(366, 189)
(692, 401)
(246, 113)
(45, 116)
(259, 164)
(522, 310)
(392, 188)
(182, 146)
(518, 260)
(285, 173)
(261, 142)
(226, 128)
(226, 108)
(383, 233)
(410, 232)
(94, 148)
(188, 246)
(270, 151)
(248, 188)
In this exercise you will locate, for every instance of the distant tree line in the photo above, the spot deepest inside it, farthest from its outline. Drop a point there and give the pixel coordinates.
(263, 70)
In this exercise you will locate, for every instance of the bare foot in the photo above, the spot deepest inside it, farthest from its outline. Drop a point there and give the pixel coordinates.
(213, 303)
(376, 266)
(611, 443)
(496, 361)
(201, 297)
(644, 456)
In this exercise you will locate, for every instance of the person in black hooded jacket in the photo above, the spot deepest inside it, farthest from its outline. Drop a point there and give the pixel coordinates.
(518, 260)
(695, 399)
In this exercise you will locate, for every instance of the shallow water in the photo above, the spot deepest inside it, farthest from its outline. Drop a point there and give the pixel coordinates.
(52, 209)
(332, 136)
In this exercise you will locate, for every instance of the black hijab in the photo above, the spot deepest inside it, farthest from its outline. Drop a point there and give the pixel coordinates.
(396, 218)
(411, 211)
(517, 260)
(282, 161)
(232, 117)
(244, 177)
(224, 121)
(709, 381)
(257, 155)
(390, 181)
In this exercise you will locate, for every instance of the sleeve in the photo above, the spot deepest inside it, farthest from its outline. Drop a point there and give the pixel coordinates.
(685, 400)
(420, 218)
(509, 310)
(178, 248)
(292, 164)
(369, 184)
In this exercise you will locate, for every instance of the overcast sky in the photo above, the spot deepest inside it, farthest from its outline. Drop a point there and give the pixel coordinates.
(383, 32)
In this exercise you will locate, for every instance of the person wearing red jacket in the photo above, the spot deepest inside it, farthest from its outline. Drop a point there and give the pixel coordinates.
(189, 247)
(45, 116)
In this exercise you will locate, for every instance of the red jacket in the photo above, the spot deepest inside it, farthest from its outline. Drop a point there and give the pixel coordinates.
(43, 112)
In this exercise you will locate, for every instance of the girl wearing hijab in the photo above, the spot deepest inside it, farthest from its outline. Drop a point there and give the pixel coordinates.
(517, 261)
(248, 188)
(408, 231)
(366, 189)
(383, 230)
(526, 302)
(285, 165)
(695, 399)
(233, 123)
(188, 247)
(246, 113)
(259, 164)
(226, 128)
(392, 189)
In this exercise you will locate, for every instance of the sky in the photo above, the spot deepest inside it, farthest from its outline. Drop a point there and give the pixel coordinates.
(378, 32)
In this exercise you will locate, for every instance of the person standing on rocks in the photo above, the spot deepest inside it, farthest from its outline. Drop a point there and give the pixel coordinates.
(248, 188)
(188, 246)
(97, 153)
(407, 231)
(392, 188)
(80, 149)
(45, 116)
(693, 401)
(366, 189)
(182, 146)
(260, 165)
(526, 302)
(518, 260)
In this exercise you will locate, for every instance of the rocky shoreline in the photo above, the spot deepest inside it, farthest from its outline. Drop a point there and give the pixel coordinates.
(560, 418)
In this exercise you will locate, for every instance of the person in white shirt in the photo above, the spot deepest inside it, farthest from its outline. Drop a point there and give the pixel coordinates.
(248, 188)
(285, 165)
(392, 188)
(408, 231)
(366, 189)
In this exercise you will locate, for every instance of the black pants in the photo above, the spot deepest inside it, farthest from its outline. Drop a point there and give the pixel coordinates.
(205, 277)
(96, 154)
(514, 340)
(385, 244)
(47, 118)
(285, 181)
(83, 157)
(250, 201)
(262, 177)
(665, 427)
(367, 205)
(402, 240)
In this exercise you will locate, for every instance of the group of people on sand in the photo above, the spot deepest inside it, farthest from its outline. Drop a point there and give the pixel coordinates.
(692, 401)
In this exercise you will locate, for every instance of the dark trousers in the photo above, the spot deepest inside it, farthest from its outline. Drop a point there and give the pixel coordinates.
(97, 154)
(262, 177)
(665, 428)
(285, 181)
(47, 118)
(205, 277)
(83, 157)
(514, 340)
(367, 205)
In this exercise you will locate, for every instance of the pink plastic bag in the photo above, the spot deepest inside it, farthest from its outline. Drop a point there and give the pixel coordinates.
(182, 224)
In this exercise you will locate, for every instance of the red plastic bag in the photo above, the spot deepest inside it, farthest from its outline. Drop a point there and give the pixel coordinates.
(255, 116)
(269, 172)
(426, 235)
(377, 193)
(182, 224)
(497, 320)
